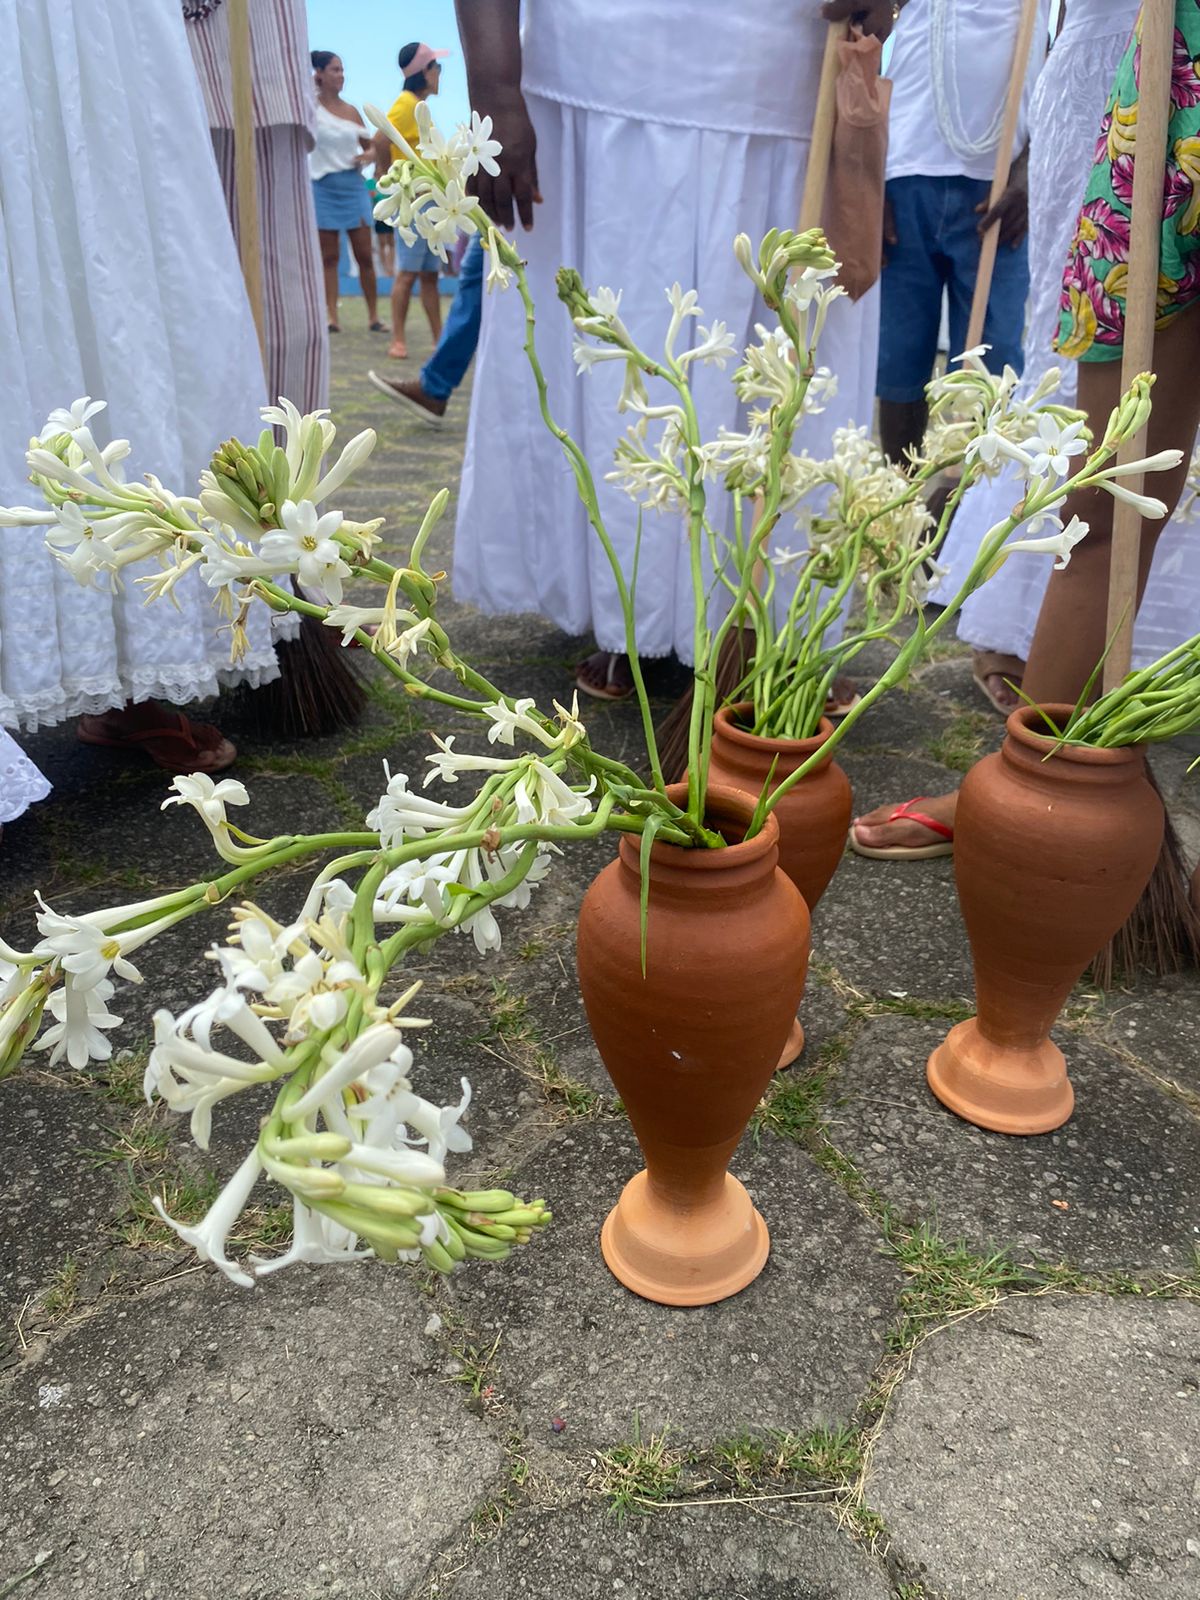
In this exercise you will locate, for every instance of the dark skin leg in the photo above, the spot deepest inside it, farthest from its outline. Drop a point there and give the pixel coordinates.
(1072, 625)
(360, 243)
(901, 427)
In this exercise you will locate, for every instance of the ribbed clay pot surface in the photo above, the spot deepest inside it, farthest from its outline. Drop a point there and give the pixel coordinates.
(814, 817)
(691, 1046)
(1050, 857)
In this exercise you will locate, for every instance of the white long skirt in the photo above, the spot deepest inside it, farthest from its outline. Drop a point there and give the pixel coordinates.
(119, 279)
(21, 784)
(635, 206)
(1067, 106)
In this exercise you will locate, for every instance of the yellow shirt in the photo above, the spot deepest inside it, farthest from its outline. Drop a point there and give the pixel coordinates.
(403, 117)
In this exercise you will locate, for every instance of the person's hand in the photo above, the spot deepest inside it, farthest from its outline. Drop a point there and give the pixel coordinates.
(890, 236)
(517, 181)
(1011, 211)
(872, 16)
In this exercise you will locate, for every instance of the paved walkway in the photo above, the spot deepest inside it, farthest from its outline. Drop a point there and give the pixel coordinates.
(970, 1368)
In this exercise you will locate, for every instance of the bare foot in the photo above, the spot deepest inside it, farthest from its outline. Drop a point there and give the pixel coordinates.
(1000, 692)
(882, 829)
(605, 675)
(843, 697)
(398, 350)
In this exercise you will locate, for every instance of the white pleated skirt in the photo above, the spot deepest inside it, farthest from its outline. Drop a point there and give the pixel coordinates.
(119, 279)
(636, 206)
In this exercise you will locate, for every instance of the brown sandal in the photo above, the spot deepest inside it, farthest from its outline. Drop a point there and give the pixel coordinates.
(181, 749)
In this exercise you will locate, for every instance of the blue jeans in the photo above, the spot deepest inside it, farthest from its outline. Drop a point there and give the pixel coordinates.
(447, 366)
(938, 249)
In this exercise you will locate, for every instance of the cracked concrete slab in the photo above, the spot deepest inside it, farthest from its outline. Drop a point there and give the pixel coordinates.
(1117, 1186)
(1048, 1450)
(295, 1442)
(752, 1552)
(793, 1350)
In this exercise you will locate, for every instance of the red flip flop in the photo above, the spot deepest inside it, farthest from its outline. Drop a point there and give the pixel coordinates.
(908, 852)
(178, 749)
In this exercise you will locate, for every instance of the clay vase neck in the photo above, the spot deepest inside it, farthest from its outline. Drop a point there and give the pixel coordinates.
(814, 816)
(1052, 848)
(691, 1045)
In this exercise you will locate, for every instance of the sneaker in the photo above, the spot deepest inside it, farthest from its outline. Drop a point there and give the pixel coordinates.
(410, 393)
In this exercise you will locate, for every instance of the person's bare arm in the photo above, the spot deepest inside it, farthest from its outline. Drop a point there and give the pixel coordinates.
(872, 16)
(381, 153)
(491, 41)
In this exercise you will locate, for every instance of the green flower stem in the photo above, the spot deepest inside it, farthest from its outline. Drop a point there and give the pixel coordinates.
(586, 487)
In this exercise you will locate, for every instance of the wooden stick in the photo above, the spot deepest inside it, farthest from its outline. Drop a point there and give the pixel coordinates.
(820, 146)
(1012, 113)
(816, 177)
(1141, 295)
(245, 160)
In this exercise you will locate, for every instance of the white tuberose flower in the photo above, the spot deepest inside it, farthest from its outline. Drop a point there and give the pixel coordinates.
(210, 799)
(1058, 544)
(304, 544)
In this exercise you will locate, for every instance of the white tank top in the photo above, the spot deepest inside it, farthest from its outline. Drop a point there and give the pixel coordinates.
(337, 146)
(742, 68)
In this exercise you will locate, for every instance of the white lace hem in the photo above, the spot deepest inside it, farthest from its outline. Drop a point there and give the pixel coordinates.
(179, 684)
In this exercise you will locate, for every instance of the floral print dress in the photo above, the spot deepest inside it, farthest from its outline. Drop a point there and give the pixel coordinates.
(1092, 324)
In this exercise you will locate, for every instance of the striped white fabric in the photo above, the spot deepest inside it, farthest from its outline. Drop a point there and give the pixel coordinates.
(283, 87)
(297, 344)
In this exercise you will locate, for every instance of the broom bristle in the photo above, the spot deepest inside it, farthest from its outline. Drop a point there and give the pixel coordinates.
(315, 693)
(1162, 934)
(672, 732)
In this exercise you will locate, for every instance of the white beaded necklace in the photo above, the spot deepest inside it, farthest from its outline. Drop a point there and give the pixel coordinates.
(943, 62)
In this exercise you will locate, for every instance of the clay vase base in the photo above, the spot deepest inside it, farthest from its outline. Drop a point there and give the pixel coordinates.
(1000, 1087)
(794, 1048)
(684, 1259)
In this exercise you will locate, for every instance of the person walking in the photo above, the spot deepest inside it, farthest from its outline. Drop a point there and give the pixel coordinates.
(652, 144)
(428, 395)
(340, 196)
(416, 262)
(998, 621)
(1070, 636)
(950, 68)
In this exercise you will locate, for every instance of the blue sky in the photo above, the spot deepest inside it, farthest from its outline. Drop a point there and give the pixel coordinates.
(368, 33)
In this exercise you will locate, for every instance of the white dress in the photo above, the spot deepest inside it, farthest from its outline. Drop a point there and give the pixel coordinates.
(662, 132)
(1067, 106)
(118, 278)
(20, 781)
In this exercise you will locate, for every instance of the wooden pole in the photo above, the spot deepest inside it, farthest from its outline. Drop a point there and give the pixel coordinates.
(245, 160)
(1141, 295)
(1012, 114)
(820, 146)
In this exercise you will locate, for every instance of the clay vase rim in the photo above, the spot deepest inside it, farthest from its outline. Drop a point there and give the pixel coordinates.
(757, 741)
(722, 804)
(1022, 729)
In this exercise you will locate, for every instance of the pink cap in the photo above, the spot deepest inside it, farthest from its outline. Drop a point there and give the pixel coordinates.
(423, 58)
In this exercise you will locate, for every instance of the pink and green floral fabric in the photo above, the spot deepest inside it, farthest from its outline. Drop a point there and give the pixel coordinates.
(1092, 324)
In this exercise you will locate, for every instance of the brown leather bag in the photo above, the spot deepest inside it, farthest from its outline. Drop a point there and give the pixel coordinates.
(854, 194)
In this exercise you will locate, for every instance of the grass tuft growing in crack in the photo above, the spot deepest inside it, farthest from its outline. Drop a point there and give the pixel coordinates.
(640, 1473)
(525, 1048)
(946, 1281)
(959, 744)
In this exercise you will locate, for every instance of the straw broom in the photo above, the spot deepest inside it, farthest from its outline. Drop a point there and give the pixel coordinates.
(737, 649)
(1163, 933)
(316, 692)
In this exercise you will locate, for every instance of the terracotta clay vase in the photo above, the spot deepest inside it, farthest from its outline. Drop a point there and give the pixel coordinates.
(692, 1045)
(814, 817)
(1050, 857)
